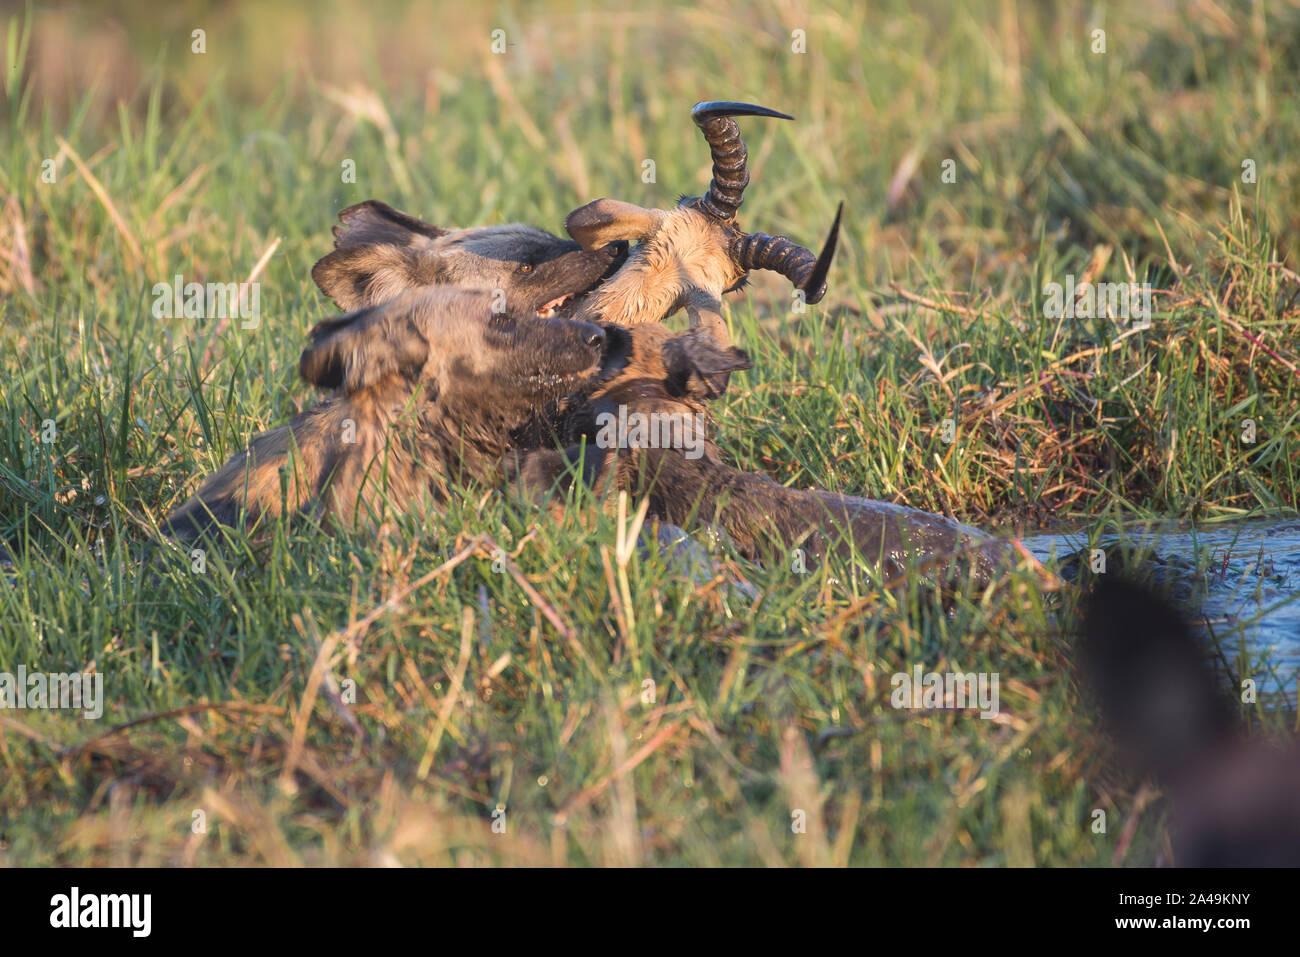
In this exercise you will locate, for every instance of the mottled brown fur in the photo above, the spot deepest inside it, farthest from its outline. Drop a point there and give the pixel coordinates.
(380, 252)
(682, 261)
(431, 386)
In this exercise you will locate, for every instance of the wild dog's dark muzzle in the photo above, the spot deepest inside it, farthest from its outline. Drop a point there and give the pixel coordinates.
(617, 251)
(567, 345)
(617, 351)
(593, 269)
(592, 335)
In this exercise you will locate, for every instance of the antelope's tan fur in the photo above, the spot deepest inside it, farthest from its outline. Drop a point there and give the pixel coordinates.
(682, 261)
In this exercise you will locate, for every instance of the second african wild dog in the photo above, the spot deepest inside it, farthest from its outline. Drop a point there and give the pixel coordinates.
(430, 386)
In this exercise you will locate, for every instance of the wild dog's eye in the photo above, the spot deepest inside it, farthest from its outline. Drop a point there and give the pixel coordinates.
(525, 267)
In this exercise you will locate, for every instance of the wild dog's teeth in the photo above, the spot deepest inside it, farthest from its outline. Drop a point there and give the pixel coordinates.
(549, 310)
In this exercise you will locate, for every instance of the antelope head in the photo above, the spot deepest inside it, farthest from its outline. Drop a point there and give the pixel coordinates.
(690, 256)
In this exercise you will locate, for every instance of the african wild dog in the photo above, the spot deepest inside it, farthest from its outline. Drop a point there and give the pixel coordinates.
(430, 386)
(380, 252)
(649, 370)
(686, 258)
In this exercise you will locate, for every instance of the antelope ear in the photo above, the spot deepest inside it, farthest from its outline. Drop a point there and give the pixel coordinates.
(699, 365)
(604, 221)
(355, 351)
(378, 253)
(704, 311)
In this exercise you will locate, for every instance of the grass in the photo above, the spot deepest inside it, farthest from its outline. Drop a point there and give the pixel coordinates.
(318, 697)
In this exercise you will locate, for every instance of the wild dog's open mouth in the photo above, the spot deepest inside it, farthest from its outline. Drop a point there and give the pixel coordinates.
(552, 308)
(566, 305)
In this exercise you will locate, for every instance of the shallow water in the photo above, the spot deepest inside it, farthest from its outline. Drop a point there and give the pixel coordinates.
(1251, 575)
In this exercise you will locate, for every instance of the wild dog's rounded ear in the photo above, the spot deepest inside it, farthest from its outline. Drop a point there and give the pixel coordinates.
(359, 276)
(378, 253)
(376, 222)
(604, 221)
(360, 349)
(700, 366)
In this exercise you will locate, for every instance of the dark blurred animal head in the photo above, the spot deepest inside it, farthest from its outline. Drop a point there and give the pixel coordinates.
(1233, 801)
(430, 387)
(688, 257)
(380, 252)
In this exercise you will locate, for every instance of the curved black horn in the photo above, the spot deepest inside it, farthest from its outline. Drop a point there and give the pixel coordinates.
(730, 174)
(807, 272)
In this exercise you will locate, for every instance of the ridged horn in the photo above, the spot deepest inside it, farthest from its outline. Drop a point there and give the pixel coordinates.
(730, 172)
(799, 265)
